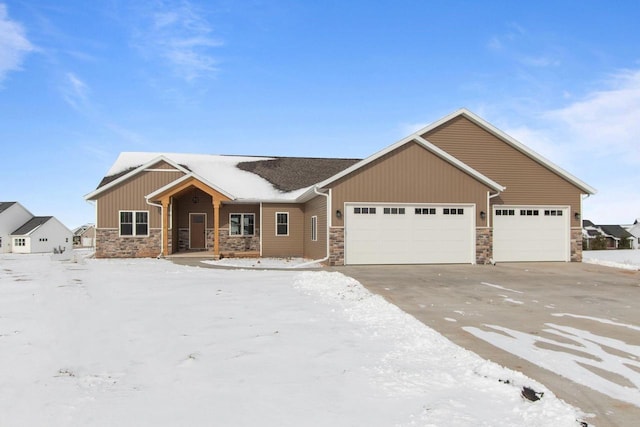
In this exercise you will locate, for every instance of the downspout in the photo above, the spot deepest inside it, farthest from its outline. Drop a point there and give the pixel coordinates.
(326, 196)
(161, 222)
(489, 197)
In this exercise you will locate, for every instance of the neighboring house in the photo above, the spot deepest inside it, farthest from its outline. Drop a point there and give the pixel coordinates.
(84, 236)
(615, 236)
(41, 234)
(12, 216)
(458, 191)
(634, 230)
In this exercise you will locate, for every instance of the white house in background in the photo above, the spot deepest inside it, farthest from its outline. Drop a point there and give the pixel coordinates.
(634, 230)
(41, 234)
(12, 216)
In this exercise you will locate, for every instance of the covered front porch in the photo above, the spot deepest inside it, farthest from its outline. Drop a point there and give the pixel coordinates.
(198, 221)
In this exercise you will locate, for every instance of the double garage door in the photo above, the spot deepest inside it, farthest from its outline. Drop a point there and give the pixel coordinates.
(531, 233)
(409, 233)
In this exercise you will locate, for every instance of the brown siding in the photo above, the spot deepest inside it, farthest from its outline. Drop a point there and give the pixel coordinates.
(282, 246)
(409, 174)
(527, 182)
(315, 207)
(130, 196)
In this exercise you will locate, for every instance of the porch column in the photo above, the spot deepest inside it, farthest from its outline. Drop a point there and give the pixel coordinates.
(165, 227)
(216, 227)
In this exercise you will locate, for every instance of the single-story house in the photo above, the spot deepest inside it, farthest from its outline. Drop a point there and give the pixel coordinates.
(615, 236)
(457, 191)
(12, 215)
(84, 236)
(634, 230)
(41, 234)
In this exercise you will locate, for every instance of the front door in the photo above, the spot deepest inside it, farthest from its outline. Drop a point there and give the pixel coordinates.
(197, 230)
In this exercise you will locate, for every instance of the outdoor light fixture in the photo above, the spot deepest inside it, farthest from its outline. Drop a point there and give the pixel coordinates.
(483, 215)
(577, 215)
(339, 213)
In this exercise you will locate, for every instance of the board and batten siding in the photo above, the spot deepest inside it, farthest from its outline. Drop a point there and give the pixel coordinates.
(527, 182)
(282, 246)
(315, 207)
(409, 174)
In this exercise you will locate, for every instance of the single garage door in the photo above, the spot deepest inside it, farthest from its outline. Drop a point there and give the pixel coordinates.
(409, 234)
(526, 233)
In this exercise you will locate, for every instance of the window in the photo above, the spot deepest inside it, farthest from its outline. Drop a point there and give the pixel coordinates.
(282, 223)
(364, 211)
(134, 223)
(314, 228)
(505, 212)
(552, 212)
(0, 242)
(529, 212)
(425, 211)
(43, 239)
(19, 241)
(242, 224)
(394, 211)
(453, 211)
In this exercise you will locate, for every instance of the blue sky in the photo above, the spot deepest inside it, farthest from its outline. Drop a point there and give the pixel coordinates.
(82, 81)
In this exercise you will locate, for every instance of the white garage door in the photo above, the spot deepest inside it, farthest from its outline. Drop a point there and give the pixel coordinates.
(409, 234)
(526, 233)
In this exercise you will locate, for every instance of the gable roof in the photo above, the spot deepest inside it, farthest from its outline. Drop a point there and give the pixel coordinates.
(616, 231)
(463, 112)
(5, 205)
(31, 225)
(415, 138)
(237, 177)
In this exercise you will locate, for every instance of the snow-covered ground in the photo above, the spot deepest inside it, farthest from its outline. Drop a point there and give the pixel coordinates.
(148, 342)
(628, 259)
(264, 263)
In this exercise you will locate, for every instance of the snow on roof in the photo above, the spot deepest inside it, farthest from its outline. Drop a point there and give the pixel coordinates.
(217, 170)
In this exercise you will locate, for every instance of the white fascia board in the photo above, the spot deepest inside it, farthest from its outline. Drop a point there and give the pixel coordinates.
(425, 144)
(134, 172)
(364, 162)
(189, 175)
(514, 143)
(460, 165)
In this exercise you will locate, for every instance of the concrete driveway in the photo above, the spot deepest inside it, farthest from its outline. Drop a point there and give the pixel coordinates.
(571, 326)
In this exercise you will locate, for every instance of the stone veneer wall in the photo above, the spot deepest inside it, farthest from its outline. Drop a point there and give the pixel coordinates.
(336, 246)
(484, 245)
(110, 245)
(237, 243)
(227, 243)
(576, 245)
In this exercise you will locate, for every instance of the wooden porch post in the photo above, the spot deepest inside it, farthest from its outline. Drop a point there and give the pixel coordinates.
(216, 226)
(165, 227)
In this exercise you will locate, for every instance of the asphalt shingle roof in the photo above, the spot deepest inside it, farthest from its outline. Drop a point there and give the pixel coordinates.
(6, 205)
(31, 225)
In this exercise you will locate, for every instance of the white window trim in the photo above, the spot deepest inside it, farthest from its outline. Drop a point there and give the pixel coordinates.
(282, 213)
(242, 215)
(314, 228)
(133, 224)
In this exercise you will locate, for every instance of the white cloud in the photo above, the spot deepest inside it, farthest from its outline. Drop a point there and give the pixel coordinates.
(75, 92)
(606, 122)
(181, 37)
(14, 44)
